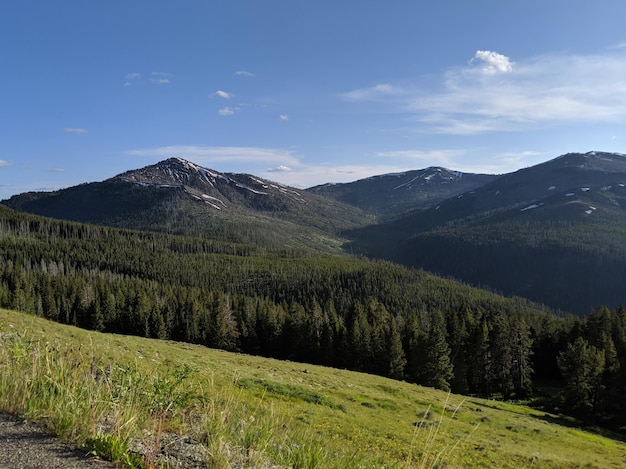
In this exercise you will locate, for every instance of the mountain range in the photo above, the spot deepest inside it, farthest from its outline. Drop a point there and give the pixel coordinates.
(390, 195)
(180, 197)
(552, 233)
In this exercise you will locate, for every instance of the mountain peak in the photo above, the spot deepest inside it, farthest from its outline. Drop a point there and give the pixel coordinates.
(590, 161)
(172, 172)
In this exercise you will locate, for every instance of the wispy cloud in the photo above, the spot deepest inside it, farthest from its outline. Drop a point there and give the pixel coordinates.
(373, 93)
(208, 155)
(75, 130)
(492, 93)
(287, 167)
(223, 94)
(279, 169)
(131, 78)
(5, 163)
(306, 175)
(283, 117)
(227, 111)
(441, 157)
(244, 73)
(161, 78)
(470, 161)
(498, 163)
(55, 170)
(278, 164)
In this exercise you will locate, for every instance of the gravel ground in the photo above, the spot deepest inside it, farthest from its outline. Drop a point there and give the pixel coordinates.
(24, 445)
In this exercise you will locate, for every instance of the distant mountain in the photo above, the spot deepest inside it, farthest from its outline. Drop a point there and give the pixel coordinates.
(181, 197)
(553, 233)
(397, 193)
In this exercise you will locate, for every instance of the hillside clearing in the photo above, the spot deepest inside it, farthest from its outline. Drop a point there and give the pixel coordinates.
(141, 402)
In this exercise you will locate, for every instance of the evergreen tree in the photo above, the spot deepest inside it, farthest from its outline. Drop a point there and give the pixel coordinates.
(480, 362)
(521, 351)
(395, 354)
(359, 339)
(501, 351)
(411, 341)
(582, 366)
(436, 369)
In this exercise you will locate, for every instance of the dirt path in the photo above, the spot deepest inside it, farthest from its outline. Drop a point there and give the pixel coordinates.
(28, 446)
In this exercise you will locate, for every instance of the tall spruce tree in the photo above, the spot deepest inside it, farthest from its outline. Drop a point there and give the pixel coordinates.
(436, 367)
(582, 366)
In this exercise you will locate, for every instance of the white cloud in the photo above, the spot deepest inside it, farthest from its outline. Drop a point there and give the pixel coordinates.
(373, 93)
(545, 90)
(227, 111)
(279, 169)
(209, 155)
(5, 163)
(280, 165)
(75, 130)
(130, 78)
(286, 167)
(499, 163)
(312, 175)
(283, 117)
(243, 73)
(161, 78)
(433, 157)
(493, 94)
(223, 94)
(493, 62)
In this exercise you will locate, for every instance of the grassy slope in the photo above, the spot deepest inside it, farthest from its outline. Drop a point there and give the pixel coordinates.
(250, 411)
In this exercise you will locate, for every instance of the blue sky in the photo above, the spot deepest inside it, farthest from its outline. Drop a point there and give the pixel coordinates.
(304, 92)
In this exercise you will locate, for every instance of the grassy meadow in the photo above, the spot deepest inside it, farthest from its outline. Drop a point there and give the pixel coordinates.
(148, 403)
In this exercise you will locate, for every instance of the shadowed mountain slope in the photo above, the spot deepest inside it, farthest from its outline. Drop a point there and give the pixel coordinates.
(394, 194)
(180, 197)
(553, 233)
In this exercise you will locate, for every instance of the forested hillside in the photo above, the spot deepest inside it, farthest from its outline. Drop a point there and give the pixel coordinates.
(553, 233)
(177, 196)
(376, 317)
(389, 195)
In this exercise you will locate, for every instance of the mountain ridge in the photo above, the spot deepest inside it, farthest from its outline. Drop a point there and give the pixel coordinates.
(526, 233)
(552, 233)
(180, 197)
(392, 194)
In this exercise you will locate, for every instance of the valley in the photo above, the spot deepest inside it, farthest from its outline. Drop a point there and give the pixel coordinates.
(494, 287)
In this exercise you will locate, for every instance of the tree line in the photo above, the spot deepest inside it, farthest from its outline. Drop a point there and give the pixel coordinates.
(375, 317)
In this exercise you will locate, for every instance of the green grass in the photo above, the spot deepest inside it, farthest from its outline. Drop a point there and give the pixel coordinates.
(139, 402)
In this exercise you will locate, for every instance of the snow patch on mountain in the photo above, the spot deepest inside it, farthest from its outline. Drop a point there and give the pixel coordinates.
(254, 191)
(530, 207)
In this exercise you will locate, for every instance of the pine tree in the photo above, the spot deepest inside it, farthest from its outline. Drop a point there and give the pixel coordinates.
(411, 340)
(582, 366)
(395, 353)
(480, 362)
(521, 351)
(501, 352)
(436, 370)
